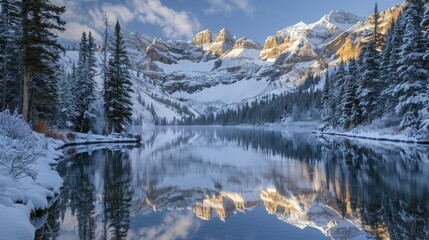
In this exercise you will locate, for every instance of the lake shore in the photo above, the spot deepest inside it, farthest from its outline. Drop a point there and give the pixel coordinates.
(29, 182)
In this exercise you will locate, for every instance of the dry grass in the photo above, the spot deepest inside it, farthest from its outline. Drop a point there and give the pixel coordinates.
(43, 128)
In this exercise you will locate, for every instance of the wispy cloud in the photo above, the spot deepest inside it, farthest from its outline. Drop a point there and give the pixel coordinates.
(228, 6)
(174, 23)
(74, 30)
(85, 15)
(174, 226)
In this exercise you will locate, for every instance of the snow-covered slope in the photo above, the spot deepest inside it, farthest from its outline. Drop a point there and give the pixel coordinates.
(306, 41)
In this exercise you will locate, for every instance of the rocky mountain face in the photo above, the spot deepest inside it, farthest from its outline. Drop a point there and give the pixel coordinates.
(304, 42)
(216, 71)
(349, 43)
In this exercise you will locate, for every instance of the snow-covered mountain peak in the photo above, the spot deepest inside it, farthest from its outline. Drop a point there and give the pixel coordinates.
(341, 19)
(224, 35)
(333, 21)
(203, 38)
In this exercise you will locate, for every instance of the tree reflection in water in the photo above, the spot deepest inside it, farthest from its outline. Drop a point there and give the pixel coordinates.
(345, 188)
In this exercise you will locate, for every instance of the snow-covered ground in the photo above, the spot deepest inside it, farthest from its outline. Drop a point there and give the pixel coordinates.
(28, 180)
(227, 93)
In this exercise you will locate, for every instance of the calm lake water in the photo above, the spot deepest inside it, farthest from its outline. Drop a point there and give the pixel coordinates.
(229, 183)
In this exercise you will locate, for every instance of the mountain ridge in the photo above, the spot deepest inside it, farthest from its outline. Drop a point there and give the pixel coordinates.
(211, 72)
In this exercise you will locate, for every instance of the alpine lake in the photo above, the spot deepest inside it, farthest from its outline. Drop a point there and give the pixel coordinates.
(241, 183)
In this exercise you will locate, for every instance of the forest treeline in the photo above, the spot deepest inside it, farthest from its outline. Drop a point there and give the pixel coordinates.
(34, 84)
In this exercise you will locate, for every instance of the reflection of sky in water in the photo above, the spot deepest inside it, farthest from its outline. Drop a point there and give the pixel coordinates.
(217, 183)
(184, 225)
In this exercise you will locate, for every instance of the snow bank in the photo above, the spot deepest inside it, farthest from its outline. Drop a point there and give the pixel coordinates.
(82, 138)
(365, 132)
(27, 178)
(14, 224)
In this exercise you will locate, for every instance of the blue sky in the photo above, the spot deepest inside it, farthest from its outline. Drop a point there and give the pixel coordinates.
(181, 19)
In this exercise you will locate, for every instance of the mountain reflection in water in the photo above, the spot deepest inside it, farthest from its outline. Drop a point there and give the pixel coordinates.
(181, 181)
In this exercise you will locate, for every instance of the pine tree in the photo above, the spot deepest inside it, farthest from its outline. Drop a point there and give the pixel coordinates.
(91, 64)
(411, 90)
(390, 75)
(348, 103)
(425, 28)
(339, 79)
(327, 114)
(118, 85)
(385, 72)
(377, 35)
(41, 20)
(68, 99)
(80, 87)
(105, 66)
(85, 82)
(369, 86)
(425, 23)
(10, 55)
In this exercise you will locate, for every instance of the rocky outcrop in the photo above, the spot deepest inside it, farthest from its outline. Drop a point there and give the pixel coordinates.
(156, 54)
(247, 44)
(203, 38)
(225, 36)
(224, 42)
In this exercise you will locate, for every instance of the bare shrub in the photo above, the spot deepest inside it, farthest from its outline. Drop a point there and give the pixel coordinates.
(17, 146)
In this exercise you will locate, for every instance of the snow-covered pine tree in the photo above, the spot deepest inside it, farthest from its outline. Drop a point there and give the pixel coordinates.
(327, 113)
(85, 82)
(91, 66)
(67, 99)
(369, 85)
(390, 75)
(348, 102)
(118, 85)
(41, 21)
(10, 55)
(91, 62)
(80, 88)
(411, 90)
(425, 22)
(377, 35)
(386, 55)
(105, 67)
(338, 80)
(425, 28)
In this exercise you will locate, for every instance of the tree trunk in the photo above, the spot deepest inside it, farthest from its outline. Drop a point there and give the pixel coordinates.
(26, 94)
(3, 96)
(27, 71)
(106, 41)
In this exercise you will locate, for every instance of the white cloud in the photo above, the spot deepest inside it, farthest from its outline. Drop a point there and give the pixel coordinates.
(174, 24)
(74, 32)
(89, 14)
(218, 6)
(113, 13)
(174, 226)
(244, 6)
(227, 6)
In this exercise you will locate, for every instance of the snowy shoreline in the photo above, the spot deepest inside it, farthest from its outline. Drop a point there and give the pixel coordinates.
(374, 136)
(89, 139)
(30, 189)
